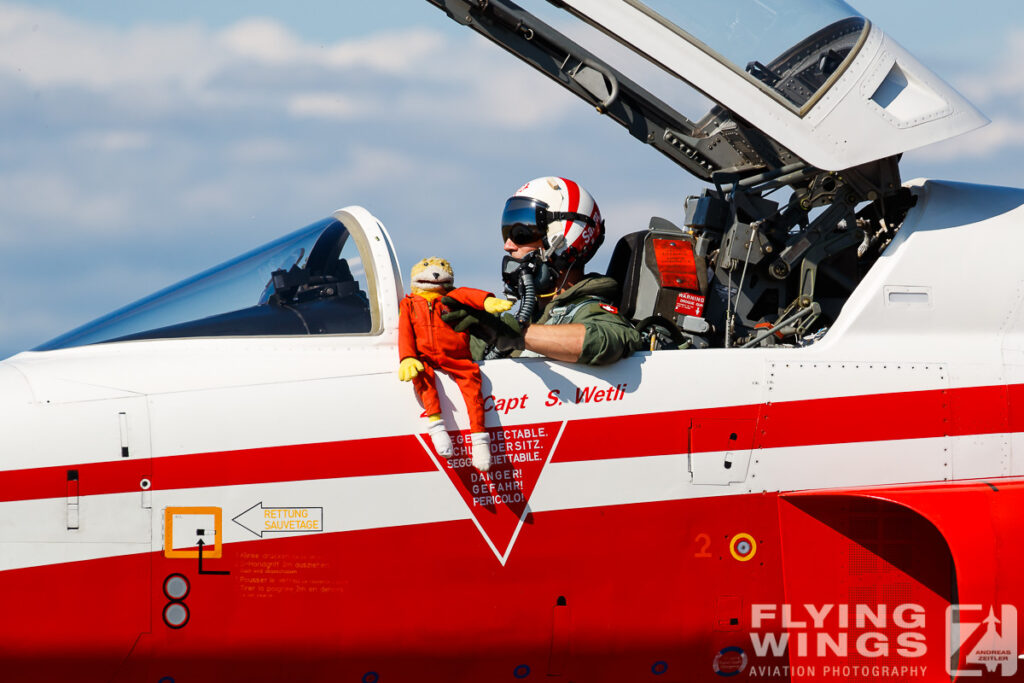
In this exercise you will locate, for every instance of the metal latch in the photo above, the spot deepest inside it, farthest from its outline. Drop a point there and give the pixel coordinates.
(71, 504)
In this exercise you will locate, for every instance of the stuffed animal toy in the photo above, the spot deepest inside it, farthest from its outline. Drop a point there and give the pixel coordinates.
(426, 343)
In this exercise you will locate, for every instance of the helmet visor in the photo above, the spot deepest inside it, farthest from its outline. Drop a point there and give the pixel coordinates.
(524, 220)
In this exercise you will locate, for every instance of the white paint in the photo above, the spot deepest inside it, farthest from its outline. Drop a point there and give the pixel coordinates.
(846, 127)
(194, 396)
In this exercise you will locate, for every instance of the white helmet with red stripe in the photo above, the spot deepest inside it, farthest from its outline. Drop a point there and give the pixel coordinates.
(561, 214)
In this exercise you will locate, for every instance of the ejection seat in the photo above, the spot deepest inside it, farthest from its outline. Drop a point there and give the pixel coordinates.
(664, 283)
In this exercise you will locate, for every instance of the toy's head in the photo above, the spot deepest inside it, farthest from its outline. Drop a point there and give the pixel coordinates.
(432, 275)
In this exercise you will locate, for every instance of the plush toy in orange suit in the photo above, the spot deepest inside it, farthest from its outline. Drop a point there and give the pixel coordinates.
(426, 343)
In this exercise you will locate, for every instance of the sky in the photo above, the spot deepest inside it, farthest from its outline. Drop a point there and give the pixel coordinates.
(143, 142)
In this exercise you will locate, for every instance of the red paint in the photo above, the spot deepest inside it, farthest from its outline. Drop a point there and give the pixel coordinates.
(639, 435)
(498, 499)
(414, 603)
(573, 191)
(97, 478)
(813, 422)
(356, 458)
(862, 553)
(598, 594)
(979, 524)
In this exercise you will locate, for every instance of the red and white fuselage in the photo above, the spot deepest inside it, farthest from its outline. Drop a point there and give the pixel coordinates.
(634, 517)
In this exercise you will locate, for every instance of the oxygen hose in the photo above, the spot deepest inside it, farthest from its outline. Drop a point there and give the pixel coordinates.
(528, 295)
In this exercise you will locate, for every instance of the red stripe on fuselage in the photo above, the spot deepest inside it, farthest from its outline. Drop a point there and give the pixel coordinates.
(814, 422)
(358, 458)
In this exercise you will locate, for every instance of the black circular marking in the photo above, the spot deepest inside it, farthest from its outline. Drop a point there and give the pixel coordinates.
(176, 614)
(173, 584)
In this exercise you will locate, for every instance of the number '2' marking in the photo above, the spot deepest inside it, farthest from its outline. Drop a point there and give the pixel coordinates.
(706, 541)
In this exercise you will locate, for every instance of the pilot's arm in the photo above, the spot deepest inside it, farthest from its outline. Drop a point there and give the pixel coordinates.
(558, 342)
(607, 337)
(598, 338)
(478, 298)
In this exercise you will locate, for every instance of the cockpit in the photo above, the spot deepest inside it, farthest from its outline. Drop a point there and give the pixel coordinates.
(315, 280)
(813, 107)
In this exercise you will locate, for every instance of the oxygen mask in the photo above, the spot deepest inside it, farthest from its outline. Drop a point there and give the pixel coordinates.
(525, 279)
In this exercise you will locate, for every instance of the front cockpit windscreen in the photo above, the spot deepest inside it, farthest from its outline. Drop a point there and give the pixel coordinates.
(312, 281)
(794, 47)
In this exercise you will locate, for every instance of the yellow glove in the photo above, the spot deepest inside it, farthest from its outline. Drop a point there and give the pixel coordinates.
(409, 368)
(493, 304)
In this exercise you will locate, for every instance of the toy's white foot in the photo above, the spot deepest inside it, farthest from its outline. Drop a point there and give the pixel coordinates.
(439, 435)
(481, 450)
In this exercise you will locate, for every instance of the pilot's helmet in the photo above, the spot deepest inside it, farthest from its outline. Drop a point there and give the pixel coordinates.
(551, 208)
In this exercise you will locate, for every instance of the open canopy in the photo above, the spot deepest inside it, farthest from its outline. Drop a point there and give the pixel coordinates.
(798, 81)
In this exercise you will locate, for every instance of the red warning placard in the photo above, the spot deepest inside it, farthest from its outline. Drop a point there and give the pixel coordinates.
(676, 264)
(498, 498)
(689, 303)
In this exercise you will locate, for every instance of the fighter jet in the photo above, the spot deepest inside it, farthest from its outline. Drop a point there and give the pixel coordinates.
(808, 473)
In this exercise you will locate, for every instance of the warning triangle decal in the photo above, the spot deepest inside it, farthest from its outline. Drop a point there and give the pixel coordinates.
(498, 500)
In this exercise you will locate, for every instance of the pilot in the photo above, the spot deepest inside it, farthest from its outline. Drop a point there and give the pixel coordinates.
(552, 227)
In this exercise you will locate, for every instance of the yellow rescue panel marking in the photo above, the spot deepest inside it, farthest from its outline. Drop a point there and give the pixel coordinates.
(184, 527)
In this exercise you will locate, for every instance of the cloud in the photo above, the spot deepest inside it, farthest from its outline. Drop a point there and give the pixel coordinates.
(187, 66)
(261, 150)
(1000, 135)
(264, 40)
(392, 52)
(258, 63)
(46, 49)
(115, 140)
(334, 106)
(395, 52)
(176, 119)
(56, 204)
(1004, 79)
(999, 91)
(515, 98)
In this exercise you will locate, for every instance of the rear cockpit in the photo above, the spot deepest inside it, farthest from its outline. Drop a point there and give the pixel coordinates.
(812, 107)
(749, 271)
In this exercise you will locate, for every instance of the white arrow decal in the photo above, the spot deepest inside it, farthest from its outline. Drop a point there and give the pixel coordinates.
(281, 520)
